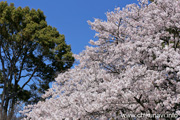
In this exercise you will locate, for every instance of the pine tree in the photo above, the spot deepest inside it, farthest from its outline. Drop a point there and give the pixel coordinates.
(31, 53)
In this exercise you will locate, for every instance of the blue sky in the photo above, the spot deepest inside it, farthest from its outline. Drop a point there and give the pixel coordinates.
(70, 16)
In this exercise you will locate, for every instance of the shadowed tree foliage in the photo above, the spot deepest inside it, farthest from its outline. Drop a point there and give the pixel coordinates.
(31, 52)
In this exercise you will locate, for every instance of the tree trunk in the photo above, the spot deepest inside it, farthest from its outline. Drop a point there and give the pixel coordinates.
(11, 110)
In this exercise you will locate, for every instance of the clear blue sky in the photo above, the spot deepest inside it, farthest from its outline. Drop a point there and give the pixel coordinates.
(70, 16)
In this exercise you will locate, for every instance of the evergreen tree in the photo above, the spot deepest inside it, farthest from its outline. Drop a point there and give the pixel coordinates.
(31, 53)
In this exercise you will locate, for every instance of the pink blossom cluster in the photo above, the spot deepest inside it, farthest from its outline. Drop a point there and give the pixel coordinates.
(133, 68)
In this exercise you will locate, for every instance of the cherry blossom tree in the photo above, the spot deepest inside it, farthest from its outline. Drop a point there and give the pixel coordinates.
(133, 68)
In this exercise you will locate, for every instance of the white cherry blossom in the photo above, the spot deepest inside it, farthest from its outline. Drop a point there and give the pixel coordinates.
(133, 68)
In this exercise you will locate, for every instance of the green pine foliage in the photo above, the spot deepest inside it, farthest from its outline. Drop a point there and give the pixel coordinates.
(31, 53)
(151, 0)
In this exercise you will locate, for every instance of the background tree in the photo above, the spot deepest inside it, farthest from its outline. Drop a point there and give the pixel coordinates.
(151, 0)
(31, 53)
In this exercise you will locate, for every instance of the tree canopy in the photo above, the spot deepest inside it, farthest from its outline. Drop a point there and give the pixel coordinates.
(133, 68)
(31, 54)
(151, 0)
